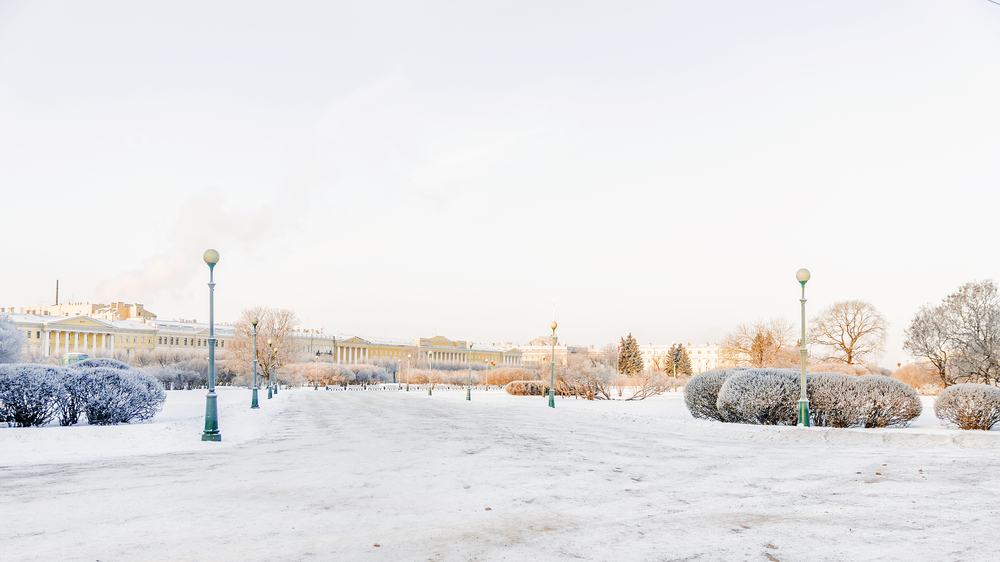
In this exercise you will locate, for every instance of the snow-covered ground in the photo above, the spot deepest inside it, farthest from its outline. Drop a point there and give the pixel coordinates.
(328, 475)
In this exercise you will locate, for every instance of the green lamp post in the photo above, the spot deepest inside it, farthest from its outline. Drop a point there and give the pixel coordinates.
(211, 400)
(552, 376)
(270, 360)
(253, 402)
(802, 276)
(468, 391)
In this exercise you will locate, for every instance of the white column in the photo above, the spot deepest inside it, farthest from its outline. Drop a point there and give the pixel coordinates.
(45, 341)
(76, 342)
(112, 341)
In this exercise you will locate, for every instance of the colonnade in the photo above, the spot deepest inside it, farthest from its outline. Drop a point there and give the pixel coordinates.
(51, 340)
(349, 355)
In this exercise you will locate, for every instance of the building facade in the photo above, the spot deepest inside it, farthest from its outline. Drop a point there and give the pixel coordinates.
(128, 328)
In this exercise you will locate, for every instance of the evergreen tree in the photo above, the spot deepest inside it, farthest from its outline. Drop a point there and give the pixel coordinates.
(629, 358)
(680, 363)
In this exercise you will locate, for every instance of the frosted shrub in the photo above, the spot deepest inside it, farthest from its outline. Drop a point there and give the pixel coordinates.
(29, 394)
(72, 400)
(886, 402)
(527, 388)
(969, 405)
(370, 373)
(120, 396)
(833, 400)
(102, 362)
(174, 377)
(701, 393)
(760, 396)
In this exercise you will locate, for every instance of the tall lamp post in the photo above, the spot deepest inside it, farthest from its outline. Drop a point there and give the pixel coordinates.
(408, 371)
(274, 370)
(468, 391)
(430, 387)
(802, 276)
(211, 400)
(270, 359)
(253, 402)
(316, 376)
(552, 376)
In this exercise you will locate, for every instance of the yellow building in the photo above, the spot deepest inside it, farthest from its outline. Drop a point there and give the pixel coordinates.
(53, 335)
(129, 328)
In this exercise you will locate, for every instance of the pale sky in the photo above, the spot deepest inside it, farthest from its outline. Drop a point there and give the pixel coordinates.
(392, 169)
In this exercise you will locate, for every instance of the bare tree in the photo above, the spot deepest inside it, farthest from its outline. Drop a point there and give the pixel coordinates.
(961, 336)
(759, 344)
(274, 325)
(928, 338)
(853, 331)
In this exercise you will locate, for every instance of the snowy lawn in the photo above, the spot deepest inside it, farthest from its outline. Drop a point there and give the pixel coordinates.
(328, 475)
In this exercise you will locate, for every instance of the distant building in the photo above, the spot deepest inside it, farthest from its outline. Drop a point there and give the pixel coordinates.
(85, 328)
(703, 357)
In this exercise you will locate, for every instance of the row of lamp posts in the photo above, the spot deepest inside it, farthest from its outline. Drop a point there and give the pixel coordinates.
(211, 400)
(212, 432)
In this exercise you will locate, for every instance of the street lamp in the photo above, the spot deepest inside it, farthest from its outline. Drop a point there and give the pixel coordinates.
(316, 376)
(211, 400)
(274, 369)
(552, 376)
(270, 359)
(253, 403)
(802, 276)
(468, 392)
(430, 388)
(408, 371)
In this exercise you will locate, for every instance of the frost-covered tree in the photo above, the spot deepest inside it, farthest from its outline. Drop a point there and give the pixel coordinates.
(853, 332)
(629, 358)
(12, 341)
(961, 336)
(679, 362)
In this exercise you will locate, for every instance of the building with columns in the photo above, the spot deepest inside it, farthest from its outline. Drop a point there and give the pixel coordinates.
(51, 335)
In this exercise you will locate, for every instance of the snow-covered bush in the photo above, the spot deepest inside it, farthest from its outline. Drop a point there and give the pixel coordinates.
(370, 373)
(760, 396)
(102, 362)
(29, 394)
(969, 405)
(833, 400)
(12, 341)
(886, 402)
(527, 388)
(72, 400)
(120, 396)
(701, 393)
(175, 377)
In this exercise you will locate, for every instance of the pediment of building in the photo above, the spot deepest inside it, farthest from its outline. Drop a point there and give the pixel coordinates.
(79, 322)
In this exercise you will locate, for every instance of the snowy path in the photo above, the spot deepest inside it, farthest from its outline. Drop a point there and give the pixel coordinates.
(338, 472)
